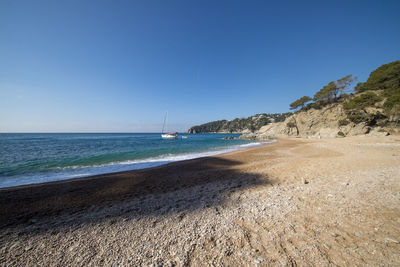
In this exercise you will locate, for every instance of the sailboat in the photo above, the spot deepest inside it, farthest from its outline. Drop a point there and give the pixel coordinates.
(167, 135)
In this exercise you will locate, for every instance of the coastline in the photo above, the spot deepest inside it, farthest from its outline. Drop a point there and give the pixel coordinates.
(83, 171)
(257, 143)
(302, 201)
(86, 188)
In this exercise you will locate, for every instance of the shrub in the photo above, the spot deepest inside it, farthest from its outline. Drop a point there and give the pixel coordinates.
(369, 119)
(362, 101)
(360, 117)
(392, 101)
(340, 133)
(391, 91)
(343, 122)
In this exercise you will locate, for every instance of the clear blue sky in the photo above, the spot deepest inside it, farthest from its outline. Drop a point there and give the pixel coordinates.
(116, 66)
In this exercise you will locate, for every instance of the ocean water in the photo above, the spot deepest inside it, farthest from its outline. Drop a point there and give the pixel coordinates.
(37, 158)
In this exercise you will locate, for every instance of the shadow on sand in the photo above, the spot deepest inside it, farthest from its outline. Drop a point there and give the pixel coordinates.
(173, 188)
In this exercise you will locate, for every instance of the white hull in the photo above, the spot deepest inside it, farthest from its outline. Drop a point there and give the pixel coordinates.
(166, 134)
(169, 136)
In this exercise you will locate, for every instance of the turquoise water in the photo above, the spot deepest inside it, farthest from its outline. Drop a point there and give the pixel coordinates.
(37, 158)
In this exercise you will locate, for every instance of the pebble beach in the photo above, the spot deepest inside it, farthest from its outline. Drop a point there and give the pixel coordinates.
(303, 202)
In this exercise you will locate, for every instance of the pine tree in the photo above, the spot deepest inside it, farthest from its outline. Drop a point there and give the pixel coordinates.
(344, 83)
(300, 102)
(327, 92)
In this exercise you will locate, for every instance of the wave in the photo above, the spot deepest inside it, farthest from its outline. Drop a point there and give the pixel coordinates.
(250, 145)
(70, 172)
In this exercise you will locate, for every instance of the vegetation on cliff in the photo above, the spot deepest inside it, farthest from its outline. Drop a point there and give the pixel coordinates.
(362, 101)
(251, 123)
(385, 81)
(357, 110)
(386, 77)
(300, 102)
(380, 92)
(328, 94)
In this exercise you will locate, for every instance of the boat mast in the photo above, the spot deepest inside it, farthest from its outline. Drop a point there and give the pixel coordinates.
(165, 122)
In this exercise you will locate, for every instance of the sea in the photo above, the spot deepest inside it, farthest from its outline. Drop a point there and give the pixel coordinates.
(44, 157)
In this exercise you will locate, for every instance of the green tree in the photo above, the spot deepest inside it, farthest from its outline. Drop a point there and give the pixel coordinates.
(300, 102)
(359, 87)
(386, 77)
(367, 99)
(345, 82)
(327, 92)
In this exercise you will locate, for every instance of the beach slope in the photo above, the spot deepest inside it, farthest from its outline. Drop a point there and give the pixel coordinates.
(296, 202)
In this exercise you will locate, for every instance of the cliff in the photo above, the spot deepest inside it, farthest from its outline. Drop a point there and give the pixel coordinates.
(330, 121)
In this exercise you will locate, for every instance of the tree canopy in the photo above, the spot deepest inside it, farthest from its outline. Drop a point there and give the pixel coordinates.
(386, 77)
(334, 89)
(327, 92)
(300, 102)
(359, 87)
(344, 83)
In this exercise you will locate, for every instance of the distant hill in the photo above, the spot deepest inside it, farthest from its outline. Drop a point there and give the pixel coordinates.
(239, 125)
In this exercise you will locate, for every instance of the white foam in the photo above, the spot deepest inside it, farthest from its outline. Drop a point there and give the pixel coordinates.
(85, 171)
(250, 145)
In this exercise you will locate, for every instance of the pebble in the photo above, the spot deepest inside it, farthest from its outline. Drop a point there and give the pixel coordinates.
(14, 245)
(334, 234)
(358, 234)
(392, 240)
(258, 260)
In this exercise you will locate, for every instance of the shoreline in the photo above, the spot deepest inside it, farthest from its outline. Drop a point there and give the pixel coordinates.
(86, 187)
(132, 165)
(260, 143)
(302, 201)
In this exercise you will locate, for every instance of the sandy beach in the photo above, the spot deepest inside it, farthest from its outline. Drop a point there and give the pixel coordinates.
(305, 202)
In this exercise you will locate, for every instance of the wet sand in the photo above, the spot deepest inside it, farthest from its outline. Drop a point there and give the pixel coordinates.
(296, 202)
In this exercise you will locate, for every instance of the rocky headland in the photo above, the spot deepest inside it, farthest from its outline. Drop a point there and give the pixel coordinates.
(372, 108)
(327, 122)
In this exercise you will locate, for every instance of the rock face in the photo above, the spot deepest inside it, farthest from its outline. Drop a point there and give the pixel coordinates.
(317, 123)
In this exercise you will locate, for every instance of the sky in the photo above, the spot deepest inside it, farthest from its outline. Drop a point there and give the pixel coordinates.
(117, 66)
